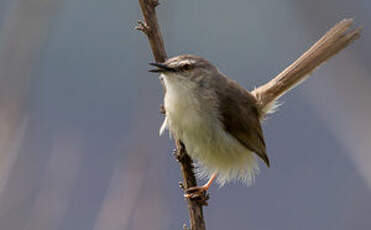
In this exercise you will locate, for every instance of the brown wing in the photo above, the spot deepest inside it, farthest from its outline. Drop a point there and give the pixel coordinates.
(240, 116)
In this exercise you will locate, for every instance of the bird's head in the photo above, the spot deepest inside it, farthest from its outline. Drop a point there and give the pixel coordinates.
(184, 68)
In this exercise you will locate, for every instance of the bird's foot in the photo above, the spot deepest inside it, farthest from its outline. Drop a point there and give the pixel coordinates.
(199, 193)
(196, 192)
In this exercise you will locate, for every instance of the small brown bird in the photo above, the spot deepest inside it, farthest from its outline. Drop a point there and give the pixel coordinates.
(218, 120)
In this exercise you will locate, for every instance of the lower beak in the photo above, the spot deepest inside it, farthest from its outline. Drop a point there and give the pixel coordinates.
(160, 68)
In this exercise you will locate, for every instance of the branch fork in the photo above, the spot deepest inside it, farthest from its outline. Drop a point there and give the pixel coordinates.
(142, 26)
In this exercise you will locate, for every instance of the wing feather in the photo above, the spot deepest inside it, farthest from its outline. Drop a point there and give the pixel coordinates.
(240, 116)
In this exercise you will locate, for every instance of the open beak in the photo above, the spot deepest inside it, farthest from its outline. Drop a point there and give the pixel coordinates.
(160, 68)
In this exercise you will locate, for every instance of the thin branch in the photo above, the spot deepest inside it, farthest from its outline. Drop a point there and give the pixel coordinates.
(336, 39)
(151, 28)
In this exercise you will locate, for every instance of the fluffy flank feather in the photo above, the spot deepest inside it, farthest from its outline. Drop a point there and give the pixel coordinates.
(163, 127)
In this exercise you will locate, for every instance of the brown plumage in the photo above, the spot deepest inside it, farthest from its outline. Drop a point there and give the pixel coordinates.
(241, 117)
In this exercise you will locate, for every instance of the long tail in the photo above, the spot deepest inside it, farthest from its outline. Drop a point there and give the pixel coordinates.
(336, 39)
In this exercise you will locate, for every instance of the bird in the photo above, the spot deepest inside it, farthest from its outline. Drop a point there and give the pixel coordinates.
(217, 120)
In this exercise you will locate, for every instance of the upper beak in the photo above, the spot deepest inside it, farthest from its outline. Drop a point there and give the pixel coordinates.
(160, 68)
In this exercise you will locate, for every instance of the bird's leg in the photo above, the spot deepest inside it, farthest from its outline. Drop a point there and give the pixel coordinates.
(193, 192)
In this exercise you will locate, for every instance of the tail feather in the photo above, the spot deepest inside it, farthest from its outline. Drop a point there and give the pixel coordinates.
(336, 39)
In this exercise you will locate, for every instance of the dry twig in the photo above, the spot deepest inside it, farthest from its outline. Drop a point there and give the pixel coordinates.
(150, 27)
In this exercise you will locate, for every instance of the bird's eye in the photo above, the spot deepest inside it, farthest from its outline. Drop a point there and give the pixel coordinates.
(186, 67)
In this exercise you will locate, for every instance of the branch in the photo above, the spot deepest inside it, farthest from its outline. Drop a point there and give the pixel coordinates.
(336, 39)
(151, 28)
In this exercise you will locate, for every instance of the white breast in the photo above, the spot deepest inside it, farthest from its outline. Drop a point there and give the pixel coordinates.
(194, 121)
(182, 108)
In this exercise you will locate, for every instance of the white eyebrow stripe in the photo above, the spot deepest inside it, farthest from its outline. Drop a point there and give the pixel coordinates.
(186, 62)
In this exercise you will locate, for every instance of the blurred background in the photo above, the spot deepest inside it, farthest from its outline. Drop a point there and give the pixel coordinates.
(79, 115)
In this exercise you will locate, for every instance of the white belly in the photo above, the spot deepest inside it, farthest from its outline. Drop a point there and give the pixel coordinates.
(213, 149)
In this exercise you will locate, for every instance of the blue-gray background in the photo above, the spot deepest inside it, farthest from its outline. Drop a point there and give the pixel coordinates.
(79, 115)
